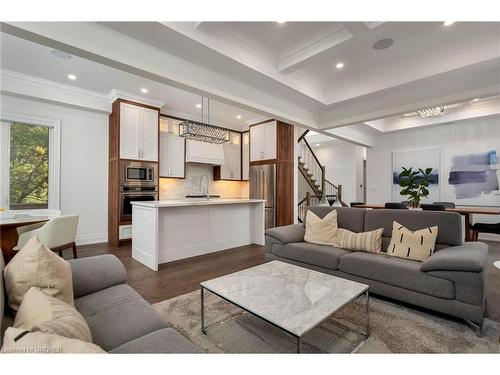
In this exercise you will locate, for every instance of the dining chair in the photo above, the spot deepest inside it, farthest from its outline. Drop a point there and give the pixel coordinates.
(477, 228)
(396, 206)
(446, 204)
(57, 234)
(433, 207)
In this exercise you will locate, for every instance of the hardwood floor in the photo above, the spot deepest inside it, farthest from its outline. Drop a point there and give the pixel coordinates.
(177, 278)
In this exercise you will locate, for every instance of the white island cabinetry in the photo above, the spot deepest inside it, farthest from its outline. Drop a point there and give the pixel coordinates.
(164, 231)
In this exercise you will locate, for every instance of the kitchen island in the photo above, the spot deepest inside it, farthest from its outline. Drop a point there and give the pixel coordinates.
(168, 230)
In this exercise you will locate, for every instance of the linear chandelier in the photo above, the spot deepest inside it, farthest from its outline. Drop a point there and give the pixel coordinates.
(431, 112)
(203, 132)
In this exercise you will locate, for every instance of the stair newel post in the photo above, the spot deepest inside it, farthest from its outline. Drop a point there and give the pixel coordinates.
(308, 199)
(339, 193)
(323, 180)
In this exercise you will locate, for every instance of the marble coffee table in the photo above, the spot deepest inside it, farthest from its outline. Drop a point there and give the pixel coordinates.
(292, 298)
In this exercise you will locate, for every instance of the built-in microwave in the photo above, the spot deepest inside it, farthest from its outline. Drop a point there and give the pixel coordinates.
(137, 173)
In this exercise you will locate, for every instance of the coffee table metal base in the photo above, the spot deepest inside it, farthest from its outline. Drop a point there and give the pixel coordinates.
(297, 337)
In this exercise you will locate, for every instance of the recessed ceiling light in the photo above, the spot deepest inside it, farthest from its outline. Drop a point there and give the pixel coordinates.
(144, 90)
(198, 105)
(383, 43)
(71, 77)
(238, 117)
(61, 54)
(475, 100)
(448, 23)
(339, 65)
(281, 22)
(317, 144)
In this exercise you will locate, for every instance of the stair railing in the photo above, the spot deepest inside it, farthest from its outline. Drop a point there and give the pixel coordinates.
(311, 162)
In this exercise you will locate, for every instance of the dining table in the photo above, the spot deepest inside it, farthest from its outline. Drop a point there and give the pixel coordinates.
(8, 229)
(466, 211)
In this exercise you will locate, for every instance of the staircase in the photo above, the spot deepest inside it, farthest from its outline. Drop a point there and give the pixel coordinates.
(314, 173)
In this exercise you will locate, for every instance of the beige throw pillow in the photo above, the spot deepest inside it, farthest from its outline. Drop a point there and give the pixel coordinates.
(18, 340)
(42, 313)
(36, 265)
(416, 245)
(321, 231)
(363, 241)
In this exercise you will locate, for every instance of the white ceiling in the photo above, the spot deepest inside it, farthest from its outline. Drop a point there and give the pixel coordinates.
(22, 56)
(287, 70)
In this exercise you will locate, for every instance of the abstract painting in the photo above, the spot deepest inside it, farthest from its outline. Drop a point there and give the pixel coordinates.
(472, 174)
(426, 158)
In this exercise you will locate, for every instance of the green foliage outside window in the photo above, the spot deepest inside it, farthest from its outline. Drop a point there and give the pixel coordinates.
(29, 166)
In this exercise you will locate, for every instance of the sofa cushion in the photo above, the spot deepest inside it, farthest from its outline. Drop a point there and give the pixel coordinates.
(449, 223)
(396, 271)
(352, 219)
(321, 231)
(117, 315)
(319, 255)
(415, 245)
(287, 233)
(362, 241)
(166, 340)
(42, 313)
(36, 265)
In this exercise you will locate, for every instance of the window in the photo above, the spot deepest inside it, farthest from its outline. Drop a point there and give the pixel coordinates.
(30, 163)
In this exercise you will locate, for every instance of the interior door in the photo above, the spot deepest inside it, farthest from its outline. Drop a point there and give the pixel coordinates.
(149, 134)
(129, 131)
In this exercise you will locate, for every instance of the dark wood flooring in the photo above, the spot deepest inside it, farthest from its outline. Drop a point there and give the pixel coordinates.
(177, 278)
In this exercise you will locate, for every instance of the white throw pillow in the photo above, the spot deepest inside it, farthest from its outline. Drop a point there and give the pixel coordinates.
(36, 265)
(18, 340)
(416, 245)
(321, 231)
(41, 313)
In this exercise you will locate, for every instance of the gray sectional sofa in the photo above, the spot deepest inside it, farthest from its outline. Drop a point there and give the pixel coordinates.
(451, 281)
(120, 320)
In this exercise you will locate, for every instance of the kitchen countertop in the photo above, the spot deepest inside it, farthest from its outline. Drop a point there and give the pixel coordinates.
(194, 202)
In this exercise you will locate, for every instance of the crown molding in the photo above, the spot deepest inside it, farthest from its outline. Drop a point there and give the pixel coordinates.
(115, 94)
(24, 85)
(321, 41)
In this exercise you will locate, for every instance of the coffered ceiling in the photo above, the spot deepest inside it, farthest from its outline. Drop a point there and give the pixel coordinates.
(319, 75)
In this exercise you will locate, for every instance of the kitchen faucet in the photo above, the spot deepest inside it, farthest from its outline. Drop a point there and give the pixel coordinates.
(204, 191)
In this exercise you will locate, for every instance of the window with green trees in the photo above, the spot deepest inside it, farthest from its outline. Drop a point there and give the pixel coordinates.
(29, 166)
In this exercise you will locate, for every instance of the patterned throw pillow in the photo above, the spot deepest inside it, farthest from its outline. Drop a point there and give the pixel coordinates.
(36, 265)
(363, 241)
(321, 231)
(416, 245)
(41, 313)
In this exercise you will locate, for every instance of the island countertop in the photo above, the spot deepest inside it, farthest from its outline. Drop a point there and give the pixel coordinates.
(194, 202)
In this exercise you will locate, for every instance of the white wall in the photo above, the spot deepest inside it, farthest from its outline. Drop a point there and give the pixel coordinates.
(379, 157)
(342, 163)
(84, 162)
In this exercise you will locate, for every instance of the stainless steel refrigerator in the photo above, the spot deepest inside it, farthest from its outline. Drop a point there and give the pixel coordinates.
(263, 186)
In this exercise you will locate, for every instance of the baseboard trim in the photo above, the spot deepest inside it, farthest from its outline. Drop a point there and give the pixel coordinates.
(90, 239)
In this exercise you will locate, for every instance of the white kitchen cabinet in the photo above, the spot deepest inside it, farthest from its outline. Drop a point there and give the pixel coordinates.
(263, 141)
(231, 170)
(172, 152)
(245, 151)
(138, 133)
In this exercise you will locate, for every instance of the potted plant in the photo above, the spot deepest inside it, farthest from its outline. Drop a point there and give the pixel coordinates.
(415, 184)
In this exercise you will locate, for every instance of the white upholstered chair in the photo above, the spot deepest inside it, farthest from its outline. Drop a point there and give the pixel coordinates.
(57, 234)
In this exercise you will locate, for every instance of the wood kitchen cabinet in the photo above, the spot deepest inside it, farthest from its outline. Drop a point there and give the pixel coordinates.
(263, 141)
(172, 155)
(138, 132)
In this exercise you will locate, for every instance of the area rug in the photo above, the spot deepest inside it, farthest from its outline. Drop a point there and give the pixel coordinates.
(394, 329)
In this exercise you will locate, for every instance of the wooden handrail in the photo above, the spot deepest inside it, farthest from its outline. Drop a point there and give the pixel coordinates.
(312, 152)
(303, 135)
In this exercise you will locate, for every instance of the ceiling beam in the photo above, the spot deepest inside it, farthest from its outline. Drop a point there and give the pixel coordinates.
(320, 42)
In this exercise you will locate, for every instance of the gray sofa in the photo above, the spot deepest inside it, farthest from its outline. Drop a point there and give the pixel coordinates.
(451, 281)
(120, 320)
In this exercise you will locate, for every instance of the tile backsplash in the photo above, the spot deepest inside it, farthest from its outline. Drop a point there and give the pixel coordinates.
(171, 188)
